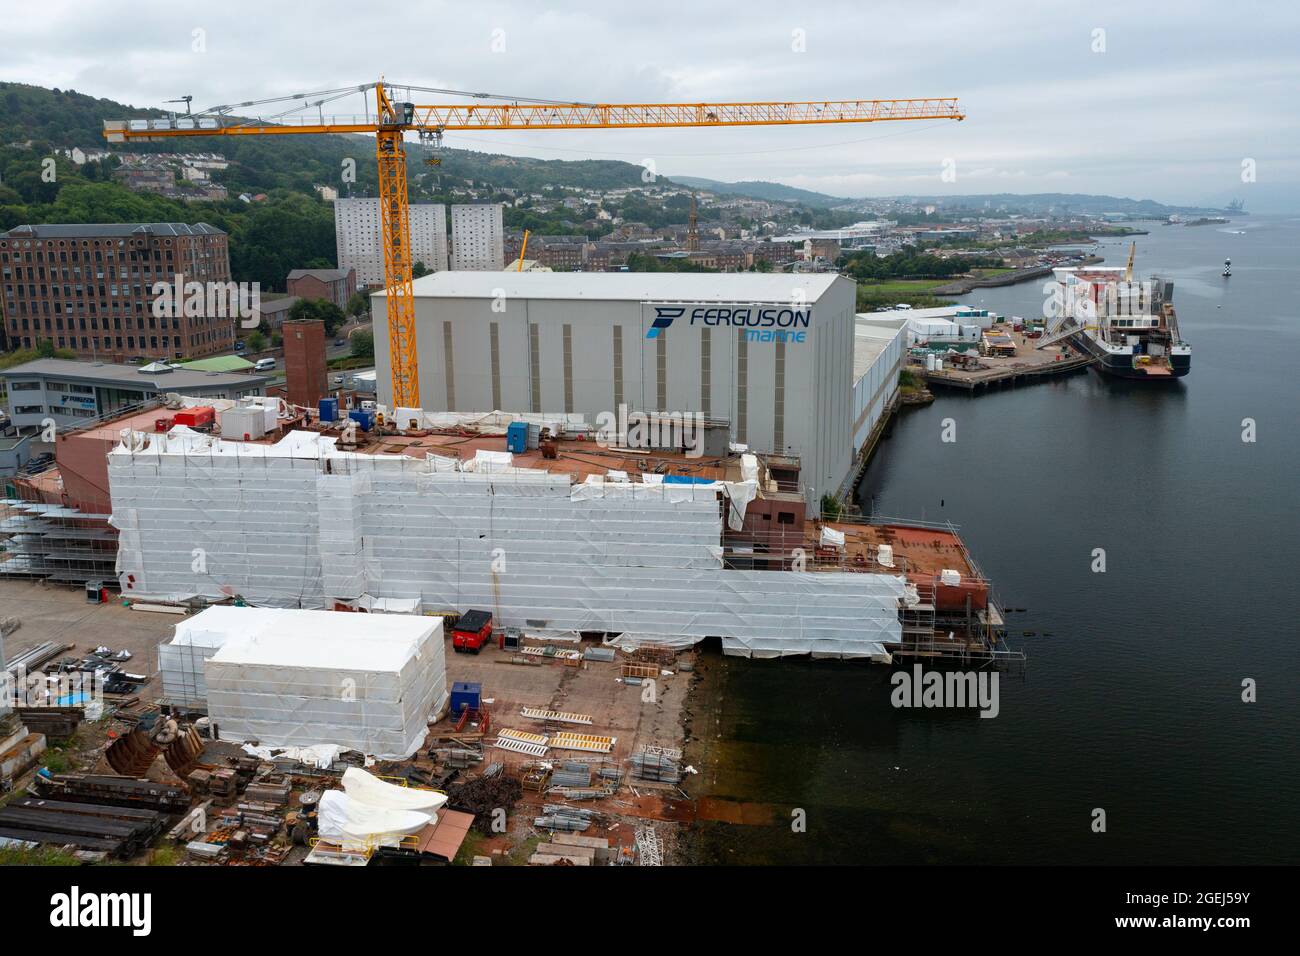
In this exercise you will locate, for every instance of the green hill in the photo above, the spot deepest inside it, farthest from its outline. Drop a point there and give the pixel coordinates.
(292, 228)
(759, 189)
(65, 118)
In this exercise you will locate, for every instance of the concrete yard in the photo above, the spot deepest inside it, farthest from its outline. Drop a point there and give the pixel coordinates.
(50, 612)
(1029, 363)
(634, 715)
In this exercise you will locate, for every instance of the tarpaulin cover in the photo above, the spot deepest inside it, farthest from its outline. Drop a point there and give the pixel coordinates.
(369, 789)
(354, 825)
(366, 682)
(310, 525)
(320, 756)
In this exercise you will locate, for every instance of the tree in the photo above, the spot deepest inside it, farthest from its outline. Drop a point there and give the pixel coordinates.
(419, 269)
(358, 305)
(256, 341)
(363, 345)
(320, 310)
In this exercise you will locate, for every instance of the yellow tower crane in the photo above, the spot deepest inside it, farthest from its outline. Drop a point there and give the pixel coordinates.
(394, 117)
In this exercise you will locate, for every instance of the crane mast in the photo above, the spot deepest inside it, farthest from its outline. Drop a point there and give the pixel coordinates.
(393, 118)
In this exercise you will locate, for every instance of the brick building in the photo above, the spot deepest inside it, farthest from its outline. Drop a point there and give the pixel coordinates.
(562, 256)
(90, 289)
(273, 311)
(304, 362)
(332, 285)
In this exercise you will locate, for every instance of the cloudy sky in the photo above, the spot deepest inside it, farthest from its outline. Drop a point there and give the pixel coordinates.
(1150, 100)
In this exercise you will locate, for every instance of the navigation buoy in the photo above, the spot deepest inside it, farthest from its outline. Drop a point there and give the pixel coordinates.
(1227, 268)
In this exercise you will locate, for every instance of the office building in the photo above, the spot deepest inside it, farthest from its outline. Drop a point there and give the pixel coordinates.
(91, 289)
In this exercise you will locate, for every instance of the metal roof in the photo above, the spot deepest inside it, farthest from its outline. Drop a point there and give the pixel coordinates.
(325, 275)
(627, 286)
(100, 230)
(870, 338)
(107, 373)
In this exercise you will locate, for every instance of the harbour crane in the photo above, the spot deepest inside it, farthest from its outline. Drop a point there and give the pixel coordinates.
(394, 116)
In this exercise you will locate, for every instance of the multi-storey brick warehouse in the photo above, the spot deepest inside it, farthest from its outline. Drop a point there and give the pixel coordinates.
(90, 289)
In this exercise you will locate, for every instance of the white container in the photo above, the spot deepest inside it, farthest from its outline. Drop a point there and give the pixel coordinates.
(929, 361)
(243, 422)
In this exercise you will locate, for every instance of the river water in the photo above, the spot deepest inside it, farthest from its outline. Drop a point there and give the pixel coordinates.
(1131, 701)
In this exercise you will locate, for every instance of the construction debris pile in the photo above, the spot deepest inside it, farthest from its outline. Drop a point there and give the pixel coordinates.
(484, 795)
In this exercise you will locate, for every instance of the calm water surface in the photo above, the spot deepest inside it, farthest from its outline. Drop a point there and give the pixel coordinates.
(1133, 703)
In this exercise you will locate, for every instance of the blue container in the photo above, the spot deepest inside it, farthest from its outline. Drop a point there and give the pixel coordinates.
(364, 418)
(329, 409)
(517, 438)
(465, 694)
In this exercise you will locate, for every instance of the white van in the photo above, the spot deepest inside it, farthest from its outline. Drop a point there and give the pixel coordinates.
(264, 365)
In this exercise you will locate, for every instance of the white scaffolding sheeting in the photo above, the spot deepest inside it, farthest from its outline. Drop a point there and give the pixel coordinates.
(307, 525)
(195, 639)
(366, 682)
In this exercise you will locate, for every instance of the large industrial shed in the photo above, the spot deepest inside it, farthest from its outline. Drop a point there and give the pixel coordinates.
(773, 355)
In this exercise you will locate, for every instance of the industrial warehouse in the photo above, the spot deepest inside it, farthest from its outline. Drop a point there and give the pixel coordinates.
(772, 356)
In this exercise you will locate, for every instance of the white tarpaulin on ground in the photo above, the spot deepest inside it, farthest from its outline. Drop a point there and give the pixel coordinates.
(354, 825)
(321, 756)
(369, 789)
(366, 682)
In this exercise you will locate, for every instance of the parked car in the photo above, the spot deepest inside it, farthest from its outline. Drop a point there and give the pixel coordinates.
(239, 346)
(264, 365)
(340, 341)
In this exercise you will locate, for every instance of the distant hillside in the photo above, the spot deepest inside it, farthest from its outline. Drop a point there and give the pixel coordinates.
(757, 189)
(1058, 203)
(66, 118)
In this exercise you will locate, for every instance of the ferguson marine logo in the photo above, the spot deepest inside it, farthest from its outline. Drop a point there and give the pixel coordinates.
(762, 323)
(664, 316)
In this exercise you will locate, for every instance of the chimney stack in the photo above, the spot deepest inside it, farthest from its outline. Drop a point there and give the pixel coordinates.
(304, 362)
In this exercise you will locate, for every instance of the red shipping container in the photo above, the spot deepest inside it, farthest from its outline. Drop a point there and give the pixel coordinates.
(193, 417)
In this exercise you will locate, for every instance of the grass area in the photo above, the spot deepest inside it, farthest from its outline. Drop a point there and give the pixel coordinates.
(41, 856)
(54, 760)
(913, 292)
(22, 356)
(519, 855)
(347, 362)
(469, 849)
(164, 856)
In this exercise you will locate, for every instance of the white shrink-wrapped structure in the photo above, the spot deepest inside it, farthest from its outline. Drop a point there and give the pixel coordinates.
(366, 682)
(299, 524)
(195, 639)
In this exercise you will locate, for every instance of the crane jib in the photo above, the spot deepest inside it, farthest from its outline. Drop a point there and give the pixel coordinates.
(393, 117)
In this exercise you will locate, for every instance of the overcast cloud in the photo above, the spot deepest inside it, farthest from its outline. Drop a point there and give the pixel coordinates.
(1181, 95)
